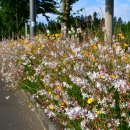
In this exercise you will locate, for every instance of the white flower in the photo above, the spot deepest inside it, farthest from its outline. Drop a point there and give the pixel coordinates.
(118, 50)
(109, 125)
(98, 85)
(83, 125)
(51, 114)
(127, 68)
(72, 29)
(93, 75)
(129, 124)
(7, 97)
(41, 92)
(74, 112)
(48, 32)
(77, 109)
(85, 95)
(69, 32)
(90, 115)
(117, 122)
(120, 83)
(96, 39)
(123, 114)
(79, 30)
(67, 85)
(64, 70)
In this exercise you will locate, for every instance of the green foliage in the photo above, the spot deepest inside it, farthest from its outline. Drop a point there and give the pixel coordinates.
(122, 27)
(14, 13)
(40, 28)
(29, 86)
(46, 6)
(74, 125)
(75, 92)
(54, 27)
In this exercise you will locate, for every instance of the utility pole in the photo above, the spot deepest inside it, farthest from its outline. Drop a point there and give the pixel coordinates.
(109, 12)
(2, 35)
(26, 29)
(32, 18)
(12, 35)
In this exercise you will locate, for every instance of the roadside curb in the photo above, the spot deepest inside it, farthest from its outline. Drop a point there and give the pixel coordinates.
(45, 121)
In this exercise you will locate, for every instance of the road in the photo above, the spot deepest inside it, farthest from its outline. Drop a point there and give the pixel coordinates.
(15, 111)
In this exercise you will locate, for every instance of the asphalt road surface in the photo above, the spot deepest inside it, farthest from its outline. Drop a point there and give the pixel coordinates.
(15, 111)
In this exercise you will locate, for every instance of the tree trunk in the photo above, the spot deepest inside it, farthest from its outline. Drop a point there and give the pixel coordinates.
(16, 16)
(17, 23)
(65, 17)
(109, 12)
(63, 22)
(68, 14)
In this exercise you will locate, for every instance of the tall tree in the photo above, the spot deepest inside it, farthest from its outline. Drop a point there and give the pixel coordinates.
(14, 13)
(46, 6)
(109, 12)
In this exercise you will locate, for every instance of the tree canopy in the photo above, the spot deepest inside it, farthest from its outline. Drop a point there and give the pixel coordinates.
(14, 13)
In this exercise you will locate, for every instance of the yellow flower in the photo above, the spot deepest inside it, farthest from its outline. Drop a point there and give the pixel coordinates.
(57, 35)
(126, 45)
(35, 51)
(56, 97)
(49, 92)
(29, 45)
(48, 35)
(59, 88)
(82, 52)
(112, 76)
(90, 100)
(99, 112)
(51, 107)
(36, 37)
(39, 45)
(62, 104)
(94, 47)
(116, 40)
(73, 51)
(64, 63)
(25, 42)
(114, 46)
(126, 59)
(122, 37)
(27, 52)
(87, 54)
(93, 59)
(120, 34)
(65, 55)
(101, 76)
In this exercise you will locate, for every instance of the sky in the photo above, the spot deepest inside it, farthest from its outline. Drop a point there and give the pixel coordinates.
(121, 9)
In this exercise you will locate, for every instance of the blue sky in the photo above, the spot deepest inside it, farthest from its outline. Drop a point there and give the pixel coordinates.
(121, 9)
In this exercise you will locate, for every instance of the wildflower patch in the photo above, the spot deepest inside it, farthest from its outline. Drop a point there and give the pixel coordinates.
(80, 85)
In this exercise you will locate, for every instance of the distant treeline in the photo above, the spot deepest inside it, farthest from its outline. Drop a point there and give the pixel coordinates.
(88, 24)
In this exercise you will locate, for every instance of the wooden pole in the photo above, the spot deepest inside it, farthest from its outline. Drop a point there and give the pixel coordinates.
(109, 12)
